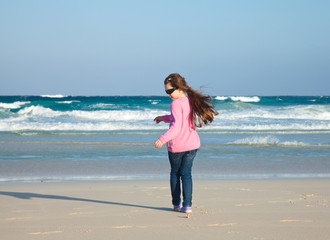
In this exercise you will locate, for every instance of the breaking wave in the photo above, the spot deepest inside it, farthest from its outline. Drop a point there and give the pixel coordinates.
(53, 96)
(136, 113)
(239, 99)
(15, 105)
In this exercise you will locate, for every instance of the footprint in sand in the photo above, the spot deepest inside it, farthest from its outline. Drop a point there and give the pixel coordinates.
(295, 220)
(243, 189)
(285, 201)
(324, 203)
(222, 225)
(44, 233)
(305, 196)
(129, 226)
(80, 213)
(244, 204)
(204, 211)
(17, 218)
(122, 227)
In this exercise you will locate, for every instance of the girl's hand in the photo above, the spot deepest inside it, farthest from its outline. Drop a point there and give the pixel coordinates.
(158, 144)
(158, 119)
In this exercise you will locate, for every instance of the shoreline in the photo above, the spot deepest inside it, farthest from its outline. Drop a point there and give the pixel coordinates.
(164, 177)
(230, 209)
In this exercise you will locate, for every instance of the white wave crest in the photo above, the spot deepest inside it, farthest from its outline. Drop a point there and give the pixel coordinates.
(53, 96)
(300, 118)
(271, 127)
(238, 99)
(221, 98)
(14, 105)
(245, 99)
(24, 123)
(39, 111)
(67, 102)
(154, 102)
(269, 140)
(115, 115)
(103, 105)
(308, 112)
(81, 126)
(266, 140)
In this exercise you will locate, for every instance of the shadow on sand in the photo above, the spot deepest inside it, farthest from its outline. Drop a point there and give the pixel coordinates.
(26, 195)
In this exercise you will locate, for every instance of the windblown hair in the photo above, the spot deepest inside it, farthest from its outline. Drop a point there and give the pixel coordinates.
(202, 108)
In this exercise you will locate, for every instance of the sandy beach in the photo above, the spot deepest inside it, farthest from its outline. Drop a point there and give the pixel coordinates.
(235, 209)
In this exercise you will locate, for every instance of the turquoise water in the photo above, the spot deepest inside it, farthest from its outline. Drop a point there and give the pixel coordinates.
(65, 138)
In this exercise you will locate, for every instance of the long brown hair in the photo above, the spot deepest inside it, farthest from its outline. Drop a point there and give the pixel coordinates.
(202, 107)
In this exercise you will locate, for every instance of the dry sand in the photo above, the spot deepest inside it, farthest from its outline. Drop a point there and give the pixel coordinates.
(253, 209)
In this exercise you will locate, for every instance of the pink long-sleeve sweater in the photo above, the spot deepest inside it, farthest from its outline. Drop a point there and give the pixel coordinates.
(181, 135)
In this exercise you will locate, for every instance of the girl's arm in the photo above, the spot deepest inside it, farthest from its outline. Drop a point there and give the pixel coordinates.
(175, 127)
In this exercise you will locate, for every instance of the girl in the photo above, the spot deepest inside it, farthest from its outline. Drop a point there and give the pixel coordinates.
(182, 140)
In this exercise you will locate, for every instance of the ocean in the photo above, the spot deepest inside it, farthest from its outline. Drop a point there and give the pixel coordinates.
(81, 138)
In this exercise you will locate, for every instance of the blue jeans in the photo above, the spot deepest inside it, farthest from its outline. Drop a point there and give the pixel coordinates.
(181, 164)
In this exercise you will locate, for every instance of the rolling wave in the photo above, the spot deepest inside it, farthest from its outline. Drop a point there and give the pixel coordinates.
(14, 105)
(48, 113)
(239, 99)
(272, 141)
(53, 96)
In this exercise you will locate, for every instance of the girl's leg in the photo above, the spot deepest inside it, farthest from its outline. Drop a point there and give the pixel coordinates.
(187, 185)
(175, 161)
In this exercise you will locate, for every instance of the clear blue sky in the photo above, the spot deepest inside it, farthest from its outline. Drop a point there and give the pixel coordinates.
(100, 47)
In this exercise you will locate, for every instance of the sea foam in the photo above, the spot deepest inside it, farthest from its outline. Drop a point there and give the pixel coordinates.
(134, 113)
(14, 105)
(221, 98)
(239, 98)
(53, 96)
(267, 140)
(246, 99)
(308, 112)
